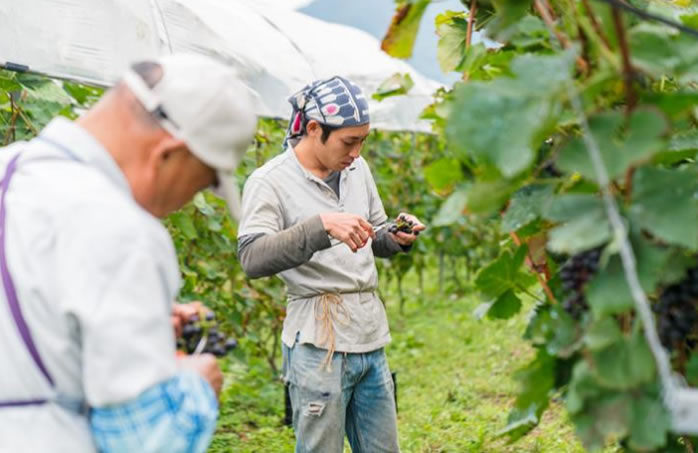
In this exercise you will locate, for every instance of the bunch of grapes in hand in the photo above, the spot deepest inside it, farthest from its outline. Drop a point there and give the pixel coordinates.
(403, 224)
(200, 336)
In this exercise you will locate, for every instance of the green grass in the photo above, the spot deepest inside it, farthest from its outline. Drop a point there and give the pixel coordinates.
(455, 388)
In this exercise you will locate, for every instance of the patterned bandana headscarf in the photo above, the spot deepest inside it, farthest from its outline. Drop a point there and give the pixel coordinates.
(333, 102)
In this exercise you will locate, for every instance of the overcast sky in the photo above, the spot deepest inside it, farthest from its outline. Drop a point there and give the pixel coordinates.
(374, 16)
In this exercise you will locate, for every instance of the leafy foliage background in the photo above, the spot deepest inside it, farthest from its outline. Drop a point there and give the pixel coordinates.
(512, 126)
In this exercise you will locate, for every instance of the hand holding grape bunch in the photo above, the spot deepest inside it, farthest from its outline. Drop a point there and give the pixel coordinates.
(406, 229)
(203, 336)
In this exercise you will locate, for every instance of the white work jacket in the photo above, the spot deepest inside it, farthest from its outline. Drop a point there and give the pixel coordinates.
(96, 277)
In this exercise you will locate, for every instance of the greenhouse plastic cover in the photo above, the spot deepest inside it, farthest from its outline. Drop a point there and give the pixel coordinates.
(275, 50)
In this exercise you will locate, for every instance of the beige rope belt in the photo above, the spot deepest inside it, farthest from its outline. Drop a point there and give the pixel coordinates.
(330, 310)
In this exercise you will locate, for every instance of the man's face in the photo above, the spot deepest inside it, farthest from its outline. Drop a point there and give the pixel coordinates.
(178, 177)
(342, 147)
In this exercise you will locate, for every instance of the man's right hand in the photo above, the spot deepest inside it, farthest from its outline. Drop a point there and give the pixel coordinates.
(207, 366)
(351, 229)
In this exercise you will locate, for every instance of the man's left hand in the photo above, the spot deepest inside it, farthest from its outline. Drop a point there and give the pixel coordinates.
(406, 239)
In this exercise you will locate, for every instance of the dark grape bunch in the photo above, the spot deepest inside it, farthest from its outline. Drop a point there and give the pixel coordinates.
(205, 335)
(575, 274)
(676, 310)
(549, 170)
(404, 225)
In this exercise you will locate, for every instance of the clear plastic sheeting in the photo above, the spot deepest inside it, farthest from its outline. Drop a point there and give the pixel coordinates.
(276, 51)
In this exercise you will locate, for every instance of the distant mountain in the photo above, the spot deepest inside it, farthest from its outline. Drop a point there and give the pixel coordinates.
(374, 16)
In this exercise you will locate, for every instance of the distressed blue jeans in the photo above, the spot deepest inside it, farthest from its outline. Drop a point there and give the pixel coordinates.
(355, 398)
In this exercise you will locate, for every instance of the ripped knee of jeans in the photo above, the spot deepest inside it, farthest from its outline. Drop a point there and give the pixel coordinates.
(314, 409)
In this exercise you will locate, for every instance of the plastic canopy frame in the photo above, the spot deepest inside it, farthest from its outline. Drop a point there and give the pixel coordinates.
(274, 50)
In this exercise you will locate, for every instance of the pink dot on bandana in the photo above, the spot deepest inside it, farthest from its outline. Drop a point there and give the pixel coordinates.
(332, 109)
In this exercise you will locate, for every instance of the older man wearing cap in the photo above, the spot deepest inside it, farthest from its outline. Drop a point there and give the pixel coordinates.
(89, 273)
(309, 215)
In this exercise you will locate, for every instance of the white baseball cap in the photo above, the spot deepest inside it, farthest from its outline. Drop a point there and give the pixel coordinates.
(203, 103)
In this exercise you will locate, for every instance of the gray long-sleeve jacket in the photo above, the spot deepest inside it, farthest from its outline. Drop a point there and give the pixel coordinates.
(262, 255)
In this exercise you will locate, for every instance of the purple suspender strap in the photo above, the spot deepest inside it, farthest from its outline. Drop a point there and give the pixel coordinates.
(21, 403)
(11, 293)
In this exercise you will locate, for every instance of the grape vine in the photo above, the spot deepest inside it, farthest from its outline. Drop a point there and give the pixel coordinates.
(554, 78)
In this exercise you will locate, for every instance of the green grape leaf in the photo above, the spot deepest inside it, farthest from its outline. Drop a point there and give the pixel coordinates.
(402, 33)
(530, 31)
(682, 145)
(185, 224)
(620, 146)
(478, 61)
(8, 81)
(504, 274)
(537, 380)
(84, 95)
(665, 204)
(686, 140)
(566, 336)
(604, 418)
(567, 207)
(526, 205)
(582, 387)
(203, 206)
(624, 364)
(659, 51)
(650, 423)
(452, 209)
(532, 229)
(396, 85)
(443, 174)
(540, 326)
(582, 234)
(553, 328)
(505, 306)
(602, 334)
(519, 113)
(672, 104)
(452, 29)
(485, 197)
(508, 14)
(43, 89)
(42, 112)
(608, 292)
(521, 421)
(215, 224)
(585, 225)
(692, 370)
(690, 20)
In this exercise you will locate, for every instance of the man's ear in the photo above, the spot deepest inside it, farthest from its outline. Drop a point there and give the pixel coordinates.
(166, 147)
(313, 129)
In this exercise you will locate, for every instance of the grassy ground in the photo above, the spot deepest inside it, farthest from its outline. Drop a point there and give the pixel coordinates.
(455, 388)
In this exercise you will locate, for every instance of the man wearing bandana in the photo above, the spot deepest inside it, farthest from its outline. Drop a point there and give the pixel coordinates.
(313, 215)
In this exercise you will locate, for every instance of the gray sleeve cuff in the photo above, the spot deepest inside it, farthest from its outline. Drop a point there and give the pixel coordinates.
(315, 235)
(384, 246)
